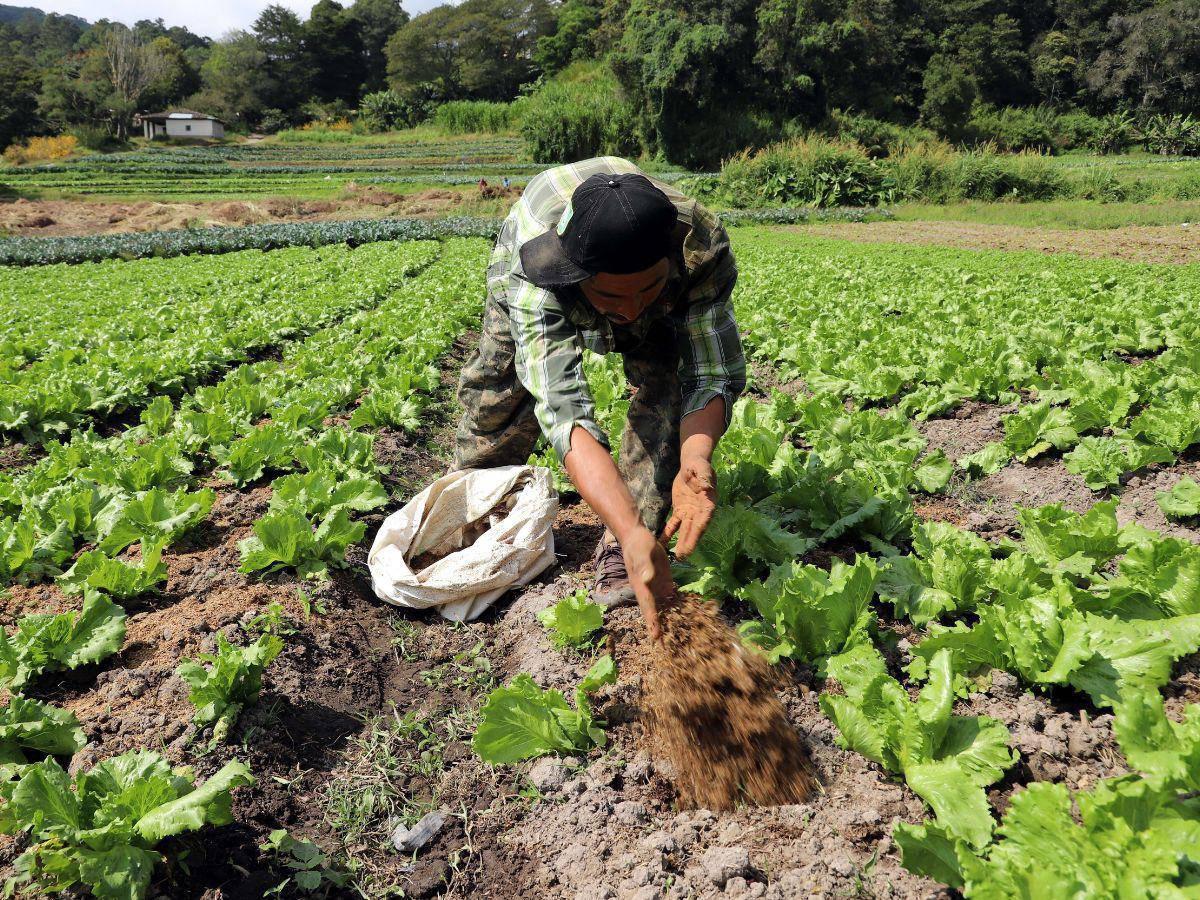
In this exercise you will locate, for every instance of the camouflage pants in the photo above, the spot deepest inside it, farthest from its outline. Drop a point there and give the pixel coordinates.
(498, 426)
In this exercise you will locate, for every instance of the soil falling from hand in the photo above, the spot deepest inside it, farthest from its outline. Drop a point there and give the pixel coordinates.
(714, 715)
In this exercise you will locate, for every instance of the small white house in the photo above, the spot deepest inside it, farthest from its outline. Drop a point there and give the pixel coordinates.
(180, 123)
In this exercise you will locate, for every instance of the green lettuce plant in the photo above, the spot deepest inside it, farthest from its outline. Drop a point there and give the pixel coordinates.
(157, 516)
(1043, 637)
(1182, 501)
(522, 720)
(99, 829)
(116, 577)
(221, 684)
(572, 621)
(809, 614)
(287, 538)
(32, 727)
(946, 759)
(947, 572)
(50, 643)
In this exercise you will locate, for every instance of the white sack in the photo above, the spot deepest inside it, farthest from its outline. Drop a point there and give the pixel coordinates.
(516, 547)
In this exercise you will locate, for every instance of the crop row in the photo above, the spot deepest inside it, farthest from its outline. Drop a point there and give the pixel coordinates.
(219, 424)
(60, 174)
(268, 180)
(266, 418)
(441, 149)
(227, 239)
(1109, 417)
(38, 251)
(1076, 603)
(237, 185)
(927, 328)
(193, 317)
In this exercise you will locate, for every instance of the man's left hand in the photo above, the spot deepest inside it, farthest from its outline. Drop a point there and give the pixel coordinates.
(693, 502)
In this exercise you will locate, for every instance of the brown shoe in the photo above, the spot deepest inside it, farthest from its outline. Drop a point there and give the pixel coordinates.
(612, 588)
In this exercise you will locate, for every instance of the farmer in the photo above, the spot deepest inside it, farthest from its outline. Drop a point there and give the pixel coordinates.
(597, 255)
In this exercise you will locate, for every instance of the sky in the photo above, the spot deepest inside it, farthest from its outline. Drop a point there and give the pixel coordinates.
(207, 17)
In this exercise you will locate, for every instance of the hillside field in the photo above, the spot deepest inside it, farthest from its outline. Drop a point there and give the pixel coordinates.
(959, 513)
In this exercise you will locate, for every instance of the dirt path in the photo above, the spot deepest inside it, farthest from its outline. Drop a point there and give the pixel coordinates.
(1157, 244)
(72, 218)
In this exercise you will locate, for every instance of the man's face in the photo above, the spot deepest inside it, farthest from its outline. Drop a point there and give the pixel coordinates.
(622, 298)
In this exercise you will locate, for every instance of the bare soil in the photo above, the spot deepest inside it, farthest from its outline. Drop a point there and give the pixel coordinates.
(65, 218)
(1157, 244)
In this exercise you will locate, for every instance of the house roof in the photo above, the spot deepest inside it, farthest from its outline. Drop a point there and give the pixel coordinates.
(175, 114)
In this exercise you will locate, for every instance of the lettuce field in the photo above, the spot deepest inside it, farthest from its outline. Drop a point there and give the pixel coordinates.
(248, 170)
(959, 515)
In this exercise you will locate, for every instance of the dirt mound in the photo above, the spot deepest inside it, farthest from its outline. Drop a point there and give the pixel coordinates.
(714, 715)
(365, 193)
(431, 202)
(293, 207)
(499, 192)
(236, 213)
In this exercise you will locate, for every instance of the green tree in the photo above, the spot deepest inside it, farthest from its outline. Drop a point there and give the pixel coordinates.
(334, 45)
(1085, 24)
(177, 79)
(57, 35)
(821, 54)
(1054, 65)
(377, 21)
(1154, 59)
(480, 49)
(574, 38)
(287, 68)
(73, 93)
(19, 81)
(232, 78)
(950, 92)
(499, 37)
(686, 68)
(423, 57)
(995, 56)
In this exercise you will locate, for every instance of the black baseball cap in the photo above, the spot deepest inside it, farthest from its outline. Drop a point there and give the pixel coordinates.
(613, 223)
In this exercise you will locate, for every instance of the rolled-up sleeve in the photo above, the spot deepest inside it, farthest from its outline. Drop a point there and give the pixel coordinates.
(711, 361)
(549, 362)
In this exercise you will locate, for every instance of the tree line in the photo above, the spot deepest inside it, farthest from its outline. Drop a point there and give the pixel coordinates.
(701, 78)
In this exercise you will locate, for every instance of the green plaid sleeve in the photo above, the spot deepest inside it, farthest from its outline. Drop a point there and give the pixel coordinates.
(549, 361)
(711, 360)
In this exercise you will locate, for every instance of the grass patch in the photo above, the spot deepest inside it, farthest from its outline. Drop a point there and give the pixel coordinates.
(394, 771)
(424, 133)
(391, 776)
(1055, 213)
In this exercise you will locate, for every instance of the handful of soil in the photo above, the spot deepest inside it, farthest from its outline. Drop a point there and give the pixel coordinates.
(714, 714)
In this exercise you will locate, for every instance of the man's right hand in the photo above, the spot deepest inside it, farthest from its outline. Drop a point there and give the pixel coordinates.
(649, 572)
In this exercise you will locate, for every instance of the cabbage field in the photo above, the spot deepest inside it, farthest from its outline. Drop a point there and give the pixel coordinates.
(959, 515)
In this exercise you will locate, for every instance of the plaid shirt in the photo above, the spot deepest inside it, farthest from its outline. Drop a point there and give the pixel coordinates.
(551, 329)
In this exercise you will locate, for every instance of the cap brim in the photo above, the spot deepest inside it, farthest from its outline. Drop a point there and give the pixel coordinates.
(546, 265)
